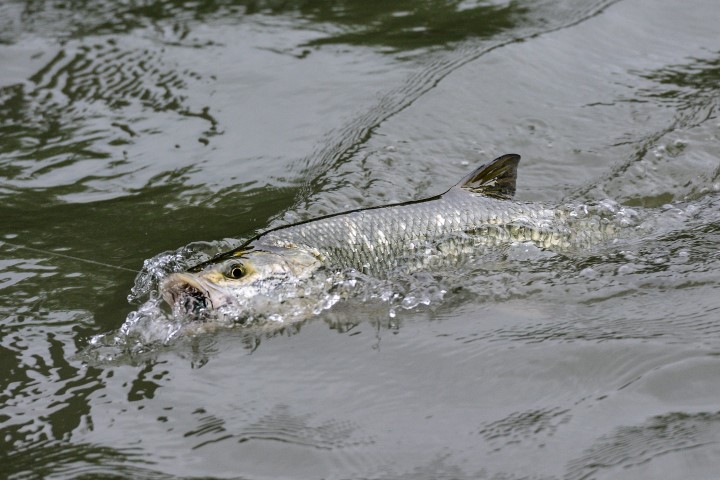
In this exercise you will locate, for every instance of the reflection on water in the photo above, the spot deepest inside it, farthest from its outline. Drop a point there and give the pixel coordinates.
(134, 128)
(400, 25)
(688, 84)
(407, 25)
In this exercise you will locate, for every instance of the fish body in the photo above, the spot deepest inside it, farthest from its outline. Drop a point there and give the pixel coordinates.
(387, 240)
(377, 241)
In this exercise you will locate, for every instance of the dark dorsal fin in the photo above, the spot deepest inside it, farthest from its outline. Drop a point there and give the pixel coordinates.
(495, 179)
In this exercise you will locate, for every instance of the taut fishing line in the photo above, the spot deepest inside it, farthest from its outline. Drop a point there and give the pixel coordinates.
(71, 257)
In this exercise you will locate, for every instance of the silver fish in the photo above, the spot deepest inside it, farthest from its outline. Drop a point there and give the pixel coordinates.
(386, 240)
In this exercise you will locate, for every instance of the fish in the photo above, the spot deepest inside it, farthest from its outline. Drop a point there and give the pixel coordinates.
(387, 240)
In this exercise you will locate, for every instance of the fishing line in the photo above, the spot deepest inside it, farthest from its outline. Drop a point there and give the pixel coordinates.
(71, 257)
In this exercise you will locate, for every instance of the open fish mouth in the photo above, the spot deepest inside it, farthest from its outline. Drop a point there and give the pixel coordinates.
(184, 292)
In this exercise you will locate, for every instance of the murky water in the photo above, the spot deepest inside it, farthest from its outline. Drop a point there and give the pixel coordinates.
(140, 136)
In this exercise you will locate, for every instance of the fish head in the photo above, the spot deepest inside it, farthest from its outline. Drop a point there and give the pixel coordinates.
(232, 280)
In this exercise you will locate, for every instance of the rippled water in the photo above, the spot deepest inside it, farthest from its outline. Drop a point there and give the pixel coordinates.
(140, 137)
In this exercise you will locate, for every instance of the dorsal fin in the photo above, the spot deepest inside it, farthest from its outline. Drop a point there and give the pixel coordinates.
(495, 179)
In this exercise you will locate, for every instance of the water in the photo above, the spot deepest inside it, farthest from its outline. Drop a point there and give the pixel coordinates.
(162, 132)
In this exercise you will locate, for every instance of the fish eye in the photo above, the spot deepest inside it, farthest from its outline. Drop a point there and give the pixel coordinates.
(236, 271)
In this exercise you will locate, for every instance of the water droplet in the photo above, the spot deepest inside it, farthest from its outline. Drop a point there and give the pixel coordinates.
(628, 255)
(588, 273)
(625, 269)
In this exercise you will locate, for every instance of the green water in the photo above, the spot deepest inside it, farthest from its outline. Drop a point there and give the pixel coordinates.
(129, 129)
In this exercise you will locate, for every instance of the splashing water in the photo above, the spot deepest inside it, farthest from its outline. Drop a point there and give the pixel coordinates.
(495, 272)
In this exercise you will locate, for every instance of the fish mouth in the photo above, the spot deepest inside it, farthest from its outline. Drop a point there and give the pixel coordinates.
(187, 292)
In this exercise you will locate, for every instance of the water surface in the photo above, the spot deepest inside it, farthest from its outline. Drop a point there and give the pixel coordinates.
(139, 135)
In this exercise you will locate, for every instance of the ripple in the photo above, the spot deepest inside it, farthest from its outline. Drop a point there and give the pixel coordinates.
(679, 161)
(281, 425)
(527, 425)
(76, 460)
(334, 164)
(65, 127)
(628, 447)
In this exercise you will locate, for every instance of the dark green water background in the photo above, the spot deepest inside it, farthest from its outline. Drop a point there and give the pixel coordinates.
(132, 128)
